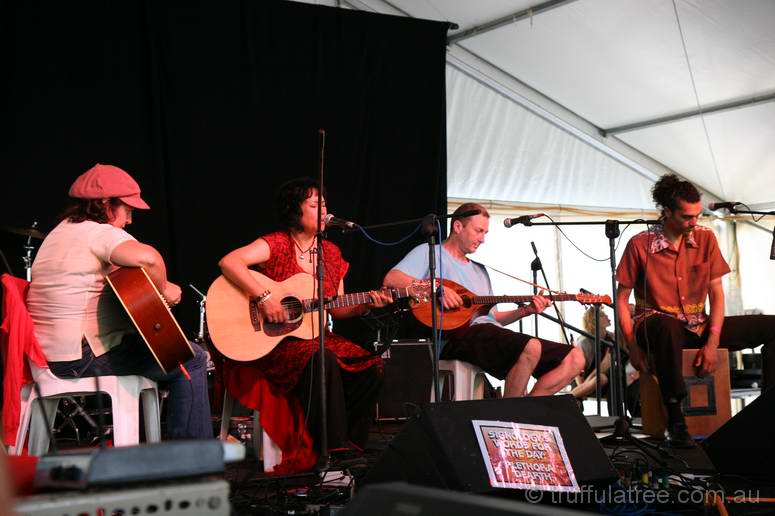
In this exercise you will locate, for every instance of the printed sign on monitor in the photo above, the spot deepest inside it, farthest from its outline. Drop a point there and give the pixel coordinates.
(522, 456)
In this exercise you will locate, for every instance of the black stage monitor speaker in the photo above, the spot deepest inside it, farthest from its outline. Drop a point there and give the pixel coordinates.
(745, 445)
(400, 499)
(439, 447)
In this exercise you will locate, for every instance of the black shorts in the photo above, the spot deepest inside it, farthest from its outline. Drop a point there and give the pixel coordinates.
(495, 349)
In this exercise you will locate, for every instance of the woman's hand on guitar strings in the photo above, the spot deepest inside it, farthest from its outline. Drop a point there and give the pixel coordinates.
(379, 299)
(273, 311)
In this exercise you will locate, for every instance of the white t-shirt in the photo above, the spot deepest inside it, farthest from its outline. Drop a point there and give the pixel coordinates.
(66, 298)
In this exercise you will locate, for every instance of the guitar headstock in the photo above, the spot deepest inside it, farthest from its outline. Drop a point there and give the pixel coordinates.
(420, 290)
(592, 299)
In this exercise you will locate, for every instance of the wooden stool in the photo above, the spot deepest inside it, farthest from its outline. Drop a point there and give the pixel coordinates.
(707, 405)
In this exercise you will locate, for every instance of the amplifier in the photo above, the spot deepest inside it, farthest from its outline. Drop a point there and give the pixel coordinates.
(204, 497)
(408, 379)
(82, 468)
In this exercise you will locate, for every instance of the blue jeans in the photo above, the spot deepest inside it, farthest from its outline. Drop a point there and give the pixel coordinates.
(188, 412)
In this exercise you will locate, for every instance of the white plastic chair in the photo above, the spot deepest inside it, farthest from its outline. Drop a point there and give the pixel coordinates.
(467, 380)
(124, 391)
(262, 443)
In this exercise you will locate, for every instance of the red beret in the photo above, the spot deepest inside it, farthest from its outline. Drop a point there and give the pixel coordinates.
(105, 182)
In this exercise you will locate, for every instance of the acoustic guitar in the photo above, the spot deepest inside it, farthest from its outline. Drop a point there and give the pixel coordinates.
(151, 315)
(474, 306)
(239, 331)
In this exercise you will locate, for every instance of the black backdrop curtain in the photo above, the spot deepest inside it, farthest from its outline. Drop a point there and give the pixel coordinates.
(210, 105)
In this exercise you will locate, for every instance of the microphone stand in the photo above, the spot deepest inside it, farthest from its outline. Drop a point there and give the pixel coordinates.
(735, 211)
(598, 344)
(535, 266)
(324, 461)
(616, 390)
(429, 223)
(598, 387)
(429, 230)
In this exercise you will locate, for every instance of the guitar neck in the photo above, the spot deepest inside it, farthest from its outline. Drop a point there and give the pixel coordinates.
(492, 300)
(354, 299)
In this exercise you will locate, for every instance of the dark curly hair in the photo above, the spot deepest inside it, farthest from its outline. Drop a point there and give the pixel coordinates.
(80, 210)
(670, 188)
(289, 198)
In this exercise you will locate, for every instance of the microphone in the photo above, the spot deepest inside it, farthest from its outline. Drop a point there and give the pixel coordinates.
(336, 222)
(524, 219)
(721, 205)
(772, 249)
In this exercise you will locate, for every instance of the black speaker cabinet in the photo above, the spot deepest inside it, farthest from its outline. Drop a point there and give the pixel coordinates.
(439, 447)
(408, 379)
(399, 499)
(745, 445)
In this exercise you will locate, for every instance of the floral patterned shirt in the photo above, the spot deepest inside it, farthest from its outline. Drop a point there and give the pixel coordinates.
(669, 281)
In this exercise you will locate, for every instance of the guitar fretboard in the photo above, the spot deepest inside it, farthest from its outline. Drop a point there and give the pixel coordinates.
(355, 298)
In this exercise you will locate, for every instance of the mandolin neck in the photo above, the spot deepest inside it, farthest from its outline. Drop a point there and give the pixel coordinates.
(492, 300)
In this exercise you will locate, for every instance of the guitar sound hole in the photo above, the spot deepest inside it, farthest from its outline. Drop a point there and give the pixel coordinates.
(293, 308)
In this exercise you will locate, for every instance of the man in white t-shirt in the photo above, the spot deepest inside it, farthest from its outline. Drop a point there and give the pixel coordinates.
(503, 353)
(81, 327)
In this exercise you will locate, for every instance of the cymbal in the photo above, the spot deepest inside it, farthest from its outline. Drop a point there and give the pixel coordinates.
(30, 232)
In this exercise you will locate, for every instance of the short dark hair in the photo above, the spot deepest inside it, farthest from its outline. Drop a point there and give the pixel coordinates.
(289, 198)
(80, 210)
(670, 188)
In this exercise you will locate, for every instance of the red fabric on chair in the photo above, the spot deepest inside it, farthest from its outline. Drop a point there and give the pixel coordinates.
(18, 343)
(280, 416)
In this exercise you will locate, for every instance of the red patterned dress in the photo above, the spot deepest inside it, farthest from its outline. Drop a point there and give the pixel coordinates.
(286, 362)
(266, 384)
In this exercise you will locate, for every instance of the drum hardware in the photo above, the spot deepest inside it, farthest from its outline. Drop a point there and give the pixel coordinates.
(200, 336)
(29, 248)
(31, 233)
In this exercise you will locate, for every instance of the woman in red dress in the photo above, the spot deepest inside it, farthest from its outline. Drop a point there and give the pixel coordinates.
(353, 376)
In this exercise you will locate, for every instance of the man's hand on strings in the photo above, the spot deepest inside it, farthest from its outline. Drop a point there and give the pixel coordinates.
(450, 299)
(539, 303)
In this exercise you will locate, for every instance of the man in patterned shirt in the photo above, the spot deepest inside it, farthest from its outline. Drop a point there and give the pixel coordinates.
(673, 267)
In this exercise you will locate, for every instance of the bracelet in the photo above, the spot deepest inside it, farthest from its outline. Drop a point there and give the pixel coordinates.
(715, 329)
(261, 298)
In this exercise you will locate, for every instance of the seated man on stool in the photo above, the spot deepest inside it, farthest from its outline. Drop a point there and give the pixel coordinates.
(485, 342)
(673, 267)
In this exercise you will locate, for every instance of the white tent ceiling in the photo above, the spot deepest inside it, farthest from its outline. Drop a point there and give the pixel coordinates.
(605, 73)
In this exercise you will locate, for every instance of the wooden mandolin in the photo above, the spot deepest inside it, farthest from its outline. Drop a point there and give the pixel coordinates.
(474, 306)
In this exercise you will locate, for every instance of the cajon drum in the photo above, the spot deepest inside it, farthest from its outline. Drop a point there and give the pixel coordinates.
(706, 407)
